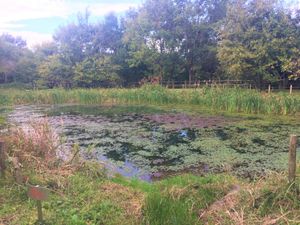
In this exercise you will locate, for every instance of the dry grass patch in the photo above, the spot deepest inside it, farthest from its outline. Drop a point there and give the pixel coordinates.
(127, 198)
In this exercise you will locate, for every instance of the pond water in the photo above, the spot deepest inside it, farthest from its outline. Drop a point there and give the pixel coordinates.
(150, 142)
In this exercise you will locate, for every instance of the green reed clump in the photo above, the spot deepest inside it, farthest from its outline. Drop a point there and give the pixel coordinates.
(91, 96)
(236, 100)
(179, 199)
(162, 209)
(153, 94)
(241, 100)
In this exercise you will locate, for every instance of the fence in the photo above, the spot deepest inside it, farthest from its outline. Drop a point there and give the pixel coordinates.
(268, 87)
(207, 83)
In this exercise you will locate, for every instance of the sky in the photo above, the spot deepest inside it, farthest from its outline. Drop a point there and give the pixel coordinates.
(37, 20)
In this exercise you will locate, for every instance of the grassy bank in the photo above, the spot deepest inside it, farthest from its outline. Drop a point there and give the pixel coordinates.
(228, 99)
(87, 198)
(85, 195)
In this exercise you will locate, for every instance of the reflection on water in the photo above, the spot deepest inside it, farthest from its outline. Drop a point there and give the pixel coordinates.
(128, 169)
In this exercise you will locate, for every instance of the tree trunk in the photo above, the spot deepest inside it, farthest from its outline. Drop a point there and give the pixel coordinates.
(259, 82)
(283, 83)
(5, 78)
(191, 76)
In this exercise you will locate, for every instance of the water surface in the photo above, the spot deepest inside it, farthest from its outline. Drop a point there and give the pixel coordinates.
(149, 142)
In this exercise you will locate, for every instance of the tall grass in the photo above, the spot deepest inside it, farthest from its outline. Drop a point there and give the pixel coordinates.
(214, 98)
(178, 200)
(34, 144)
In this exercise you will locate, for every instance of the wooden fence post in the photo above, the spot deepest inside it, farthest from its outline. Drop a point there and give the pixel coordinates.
(269, 89)
(17, 170)
(292, 158)
(2, 158)
(291, 89)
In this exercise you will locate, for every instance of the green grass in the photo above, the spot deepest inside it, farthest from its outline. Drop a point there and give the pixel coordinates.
(162, 209)
(182, 198)
(177, 200)
(234, 100)
(89, 197)
(86, 199)
(80, 200)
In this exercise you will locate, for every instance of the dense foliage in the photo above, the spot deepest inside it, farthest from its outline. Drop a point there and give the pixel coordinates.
(174, 40)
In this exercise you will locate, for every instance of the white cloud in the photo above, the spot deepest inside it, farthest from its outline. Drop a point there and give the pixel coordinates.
(32, 38)
(14, 11)
(5, 26)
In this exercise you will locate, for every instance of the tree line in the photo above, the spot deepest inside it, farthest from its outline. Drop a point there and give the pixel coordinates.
(174, 40)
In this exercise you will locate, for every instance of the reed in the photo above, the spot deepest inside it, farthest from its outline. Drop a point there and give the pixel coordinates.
(235, 100)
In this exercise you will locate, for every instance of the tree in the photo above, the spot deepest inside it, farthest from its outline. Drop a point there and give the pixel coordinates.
(95, 72)
(176, 38)
(45, 49)
(291, 57)
(108, 35)
(258, 40)
(54, 71)
(151, 37)
(26, 69)
(11, 50)
(89, 52)
(75, 40)
(198, 19)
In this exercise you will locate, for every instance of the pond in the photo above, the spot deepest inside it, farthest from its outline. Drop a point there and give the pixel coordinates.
(151, 142)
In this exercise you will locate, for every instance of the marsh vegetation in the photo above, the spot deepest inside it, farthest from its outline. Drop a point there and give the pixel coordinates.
(218, 99)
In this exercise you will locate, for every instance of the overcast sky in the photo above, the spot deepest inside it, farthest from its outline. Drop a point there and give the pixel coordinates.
(36, 20)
